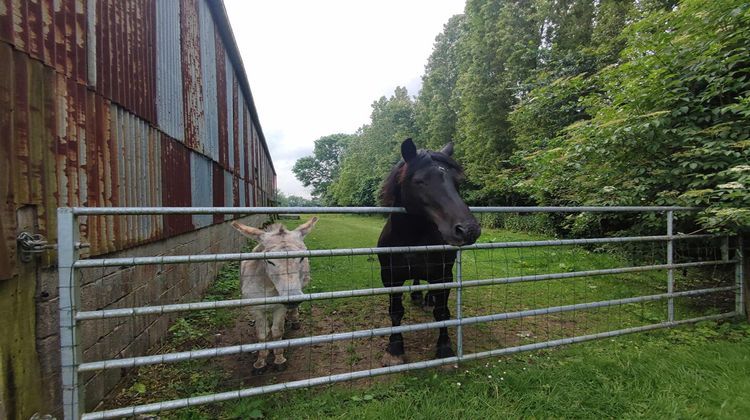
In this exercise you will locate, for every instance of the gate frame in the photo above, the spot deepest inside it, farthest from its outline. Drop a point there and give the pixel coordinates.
(70, 264)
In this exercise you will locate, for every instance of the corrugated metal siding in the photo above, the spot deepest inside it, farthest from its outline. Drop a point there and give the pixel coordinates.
(229, 122)
(210, 141)
(176, 190)
(125, 44)
(201, 186)
(191, 74)
(95, 97)
(53, 32)
(169, 69)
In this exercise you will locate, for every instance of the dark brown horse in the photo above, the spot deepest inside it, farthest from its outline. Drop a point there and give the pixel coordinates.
(426, 184)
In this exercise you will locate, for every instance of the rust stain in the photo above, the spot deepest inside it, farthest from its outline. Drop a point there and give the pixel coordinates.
(221, 89)
(7, 197)
(191, 73)
(67, 143)
(176, 184)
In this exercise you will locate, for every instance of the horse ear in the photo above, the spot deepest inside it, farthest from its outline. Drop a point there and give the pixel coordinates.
(408, 150)
(306, 227)
(447, 149)
(248, 231)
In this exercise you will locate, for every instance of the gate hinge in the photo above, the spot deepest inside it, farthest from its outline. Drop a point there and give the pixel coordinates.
(30, 244)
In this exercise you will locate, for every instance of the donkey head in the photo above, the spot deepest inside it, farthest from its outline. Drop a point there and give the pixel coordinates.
(427, 184)
(288, 275)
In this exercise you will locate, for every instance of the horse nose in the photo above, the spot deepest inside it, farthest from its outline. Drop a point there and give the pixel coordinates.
(467, 232)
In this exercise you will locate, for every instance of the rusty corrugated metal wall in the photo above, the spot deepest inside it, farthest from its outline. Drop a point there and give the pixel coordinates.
(123, 103)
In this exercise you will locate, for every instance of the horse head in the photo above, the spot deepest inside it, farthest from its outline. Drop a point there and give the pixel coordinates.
(288, 275)
(426, 184)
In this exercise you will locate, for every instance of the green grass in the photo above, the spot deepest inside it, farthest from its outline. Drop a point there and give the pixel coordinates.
(689, 372)
(701, 372)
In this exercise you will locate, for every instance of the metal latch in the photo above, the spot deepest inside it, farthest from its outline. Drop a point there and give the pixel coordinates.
(30, 244)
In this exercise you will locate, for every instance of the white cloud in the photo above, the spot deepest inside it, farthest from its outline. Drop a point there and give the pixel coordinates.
(315, 67)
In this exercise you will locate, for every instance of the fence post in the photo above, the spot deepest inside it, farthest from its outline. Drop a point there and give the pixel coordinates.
(670, 261)
(70, 354)
(739, 277)
(459, 327)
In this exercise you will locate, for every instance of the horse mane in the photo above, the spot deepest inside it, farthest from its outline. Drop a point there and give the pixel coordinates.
(390, 191)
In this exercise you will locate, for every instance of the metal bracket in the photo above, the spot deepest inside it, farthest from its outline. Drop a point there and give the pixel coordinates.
(30, 244)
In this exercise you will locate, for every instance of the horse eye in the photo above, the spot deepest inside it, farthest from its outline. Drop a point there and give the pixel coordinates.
(271, 262)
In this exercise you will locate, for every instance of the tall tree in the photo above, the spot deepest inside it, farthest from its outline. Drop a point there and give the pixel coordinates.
(437, 106)
(376, 148)
(322, 168)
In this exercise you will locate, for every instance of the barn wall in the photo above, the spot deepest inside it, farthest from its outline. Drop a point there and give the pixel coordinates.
(112, 103)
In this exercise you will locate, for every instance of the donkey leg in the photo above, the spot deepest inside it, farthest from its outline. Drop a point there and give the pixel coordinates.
(293, 316)
(277, 333)
(261, 330)
(394, 354)
(441, 313)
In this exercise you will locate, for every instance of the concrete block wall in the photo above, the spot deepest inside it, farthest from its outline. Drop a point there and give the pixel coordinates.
(121, 287)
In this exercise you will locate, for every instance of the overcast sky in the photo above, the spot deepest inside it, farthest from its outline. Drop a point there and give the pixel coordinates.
(315, 67)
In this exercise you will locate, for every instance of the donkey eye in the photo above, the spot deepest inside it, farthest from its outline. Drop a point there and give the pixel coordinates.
(271, 262)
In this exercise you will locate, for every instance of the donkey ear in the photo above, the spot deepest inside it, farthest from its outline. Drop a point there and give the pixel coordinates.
(306, 227)
(408, 150)
(248, 231)
(447, 149)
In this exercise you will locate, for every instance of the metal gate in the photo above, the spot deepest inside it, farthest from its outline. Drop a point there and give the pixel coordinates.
(72, 318)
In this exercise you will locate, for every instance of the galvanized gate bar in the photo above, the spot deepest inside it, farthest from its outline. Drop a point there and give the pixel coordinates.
(670, 260)
(69, 266)
(186, 259)
(330, 379)
(330, 338)
(739, 276)
(361, 210)
(69, 301)
(234, 303)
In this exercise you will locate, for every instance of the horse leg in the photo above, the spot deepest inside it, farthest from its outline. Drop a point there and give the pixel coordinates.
(416, 297)
(394, 354)
(277, 333)
(441, 313)
(261, 331)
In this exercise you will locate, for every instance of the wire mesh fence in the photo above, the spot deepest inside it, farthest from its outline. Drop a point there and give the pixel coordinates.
(515, 290)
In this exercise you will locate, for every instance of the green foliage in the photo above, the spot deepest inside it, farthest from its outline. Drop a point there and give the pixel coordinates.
(669, 123)
(580, 102)
(374, 151)
(284, 200)
(322, 168)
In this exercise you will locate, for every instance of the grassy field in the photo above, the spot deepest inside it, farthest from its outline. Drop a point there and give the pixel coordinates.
(701, 371)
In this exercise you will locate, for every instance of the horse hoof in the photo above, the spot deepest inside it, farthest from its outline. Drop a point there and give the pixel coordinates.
(391, 360)
(258, 371)
(280, 367)
(296, 325)
(443, 352)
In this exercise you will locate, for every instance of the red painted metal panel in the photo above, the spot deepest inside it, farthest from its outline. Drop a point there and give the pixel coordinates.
(7, 196)
(235, 165)
(175, 184)
(6, 22)
(34, 27)
(221, 89)
(125, 55)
